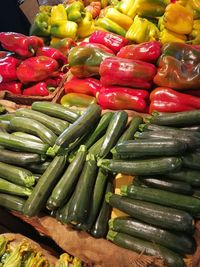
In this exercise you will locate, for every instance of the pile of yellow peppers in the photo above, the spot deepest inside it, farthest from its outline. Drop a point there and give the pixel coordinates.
(137, 20)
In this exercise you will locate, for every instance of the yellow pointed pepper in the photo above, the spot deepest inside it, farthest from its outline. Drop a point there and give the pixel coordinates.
(58, 12)
(178, 19)
(86, 26)
(64, 28)
(195, 34)
(167, 36)
(110, 26)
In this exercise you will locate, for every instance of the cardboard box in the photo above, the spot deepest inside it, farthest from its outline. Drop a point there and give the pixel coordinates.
(30, 9)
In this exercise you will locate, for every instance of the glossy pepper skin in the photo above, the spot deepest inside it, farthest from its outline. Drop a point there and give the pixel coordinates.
(165, 99)
(176, 74)
(22, 45)
(14, 87)
(100, 46)
(86, 25)
(116, 98)
(77, 99)
(109, 39)
(88, 86)
(167, 36)
(64, 45)
(40, 25)
(85, 61)
(36, 69)
(111, 26)
(58, 12)
(52, 53)
(148, 52)
(8, 67)
(38, 89)
(127, 72)
(75, 11)
(64, 28)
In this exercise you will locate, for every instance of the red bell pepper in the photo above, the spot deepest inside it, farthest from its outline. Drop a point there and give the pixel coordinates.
(148, 52)
(4, 54)
(77, 99)
(35, 69)
(88, 86)
(53, 53)
(8, 67)
(22, 45)
(165, 99)
(109, 39)
(14, 87)
(38, 89)
(116, 98)
(126, 72)
(100, 46)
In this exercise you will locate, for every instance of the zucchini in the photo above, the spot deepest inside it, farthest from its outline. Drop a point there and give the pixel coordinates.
(80, 204)
(171, 258)
(80, 127)
(67, 183)
(56, 110)
(162, 197)
(29, 137)
(180, 243)
(94, 149)
(191, 160)
(149, 147)
(14, 189)
(114, 130)
(17, 175)
(177, 119)
(163, 217)
(159, 165)
(33, 127)
(39, 168)
(165, 184)
(12, 202)
(62, 214)
(189, 176)
(18, 158)
(196, 193)
(7, 116)
(100, 228)
(41, 192)
(5, 126)
(54, 124)
(191, 128)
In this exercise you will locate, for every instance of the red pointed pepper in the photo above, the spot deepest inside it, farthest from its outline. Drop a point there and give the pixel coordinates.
(53, 53)
(109, 39)
(100, 46)
(22, 45)
(35, 69)
(126, 72)
(14, 87)
(116, 98)
(148, 52)
(8, 67)
(88, 86)
(38, 89)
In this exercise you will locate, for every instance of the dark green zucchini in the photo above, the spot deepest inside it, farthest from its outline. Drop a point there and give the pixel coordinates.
(14, 189)
(54, 124)
(192, 128)
(41, 192)
(80, 127)
(189, 176)
(114, 131)
(33, 127)
(67, 183)
(171, 258)
(16, 175)
(180, 243)
(162, 197)
(163, 217)
(29, 137)
(12, 202)
(159, 165)
(56, 110)
(94, 149)
(62, 214)
(38, 167)
(192, 160)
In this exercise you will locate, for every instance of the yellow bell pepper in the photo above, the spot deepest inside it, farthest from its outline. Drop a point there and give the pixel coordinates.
(121, 19)
(58, 13)
(125, 5)
(178, 19)
(195, 34)
(194, 5)
(86, 26)
(142, 30)
(167, 36)
(54, 40)
(64, 28)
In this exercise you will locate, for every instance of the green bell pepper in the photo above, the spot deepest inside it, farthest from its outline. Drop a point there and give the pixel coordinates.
(40, 25)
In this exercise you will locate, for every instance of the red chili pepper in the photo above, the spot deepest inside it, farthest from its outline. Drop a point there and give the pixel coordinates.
(116, 98)
(88, 86)
(8, 67)
(14, 87)
(35, 69)
(148, 52)
(53, 53)
(165, 99)
(100, 46)
(22, 45)
(38, 89)
(126, 72)
(109, 39)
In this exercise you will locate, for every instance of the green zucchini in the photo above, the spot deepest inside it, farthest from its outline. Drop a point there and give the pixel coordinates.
(94, 149)
(33, 127)
(196, 193)
(157, 215)
(195, 128)
(29, 137)
(162, 197)
(192, 160)
(189, 176)
(54, 124)
(14, 189)
(171, 258)
(67, 183)
(100, 227)
(80, 127)
(41, 192)
(114, 131)
(38, 167)
(154, 166)
(16, 175)
(5, 126)
(7, 116)
(56, 110)
(80, 204)
(12, 202)
(154, 127)
(180, 243)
